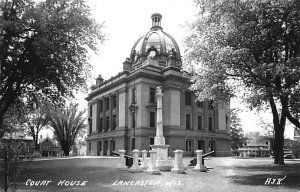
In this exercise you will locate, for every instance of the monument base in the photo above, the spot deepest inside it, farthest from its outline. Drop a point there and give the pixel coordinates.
(162, 161)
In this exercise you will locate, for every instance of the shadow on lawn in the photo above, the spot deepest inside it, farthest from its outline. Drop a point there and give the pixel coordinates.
(258, 175)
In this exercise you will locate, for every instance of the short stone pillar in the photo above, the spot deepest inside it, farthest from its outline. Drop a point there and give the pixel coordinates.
(199, 166)
(122, 162)
(177, 163)
(152, 169)
(144, 159)
(135, 166)
(180, 159)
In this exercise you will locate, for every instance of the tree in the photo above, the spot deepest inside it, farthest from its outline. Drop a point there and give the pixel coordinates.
(267, 127)
(44, 47)
(67, 122)
(250, 47)
(236, 130)
(36, 117)
(14, 166)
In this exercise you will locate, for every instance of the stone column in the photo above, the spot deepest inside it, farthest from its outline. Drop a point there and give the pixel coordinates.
(177, 164)
(152, 169)
(144, 159)
(122, 162)
(159, 139)
(199, 166)
(135, 166)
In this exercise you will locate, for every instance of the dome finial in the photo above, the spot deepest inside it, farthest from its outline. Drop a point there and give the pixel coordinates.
(156, 18)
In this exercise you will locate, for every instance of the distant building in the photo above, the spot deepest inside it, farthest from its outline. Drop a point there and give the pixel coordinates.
(122, 110)
(48, 147)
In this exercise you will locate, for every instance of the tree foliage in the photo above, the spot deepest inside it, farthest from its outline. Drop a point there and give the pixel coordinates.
(67, 123)
(250, 47)
(236, 130)
(13, 165)
(44, 47)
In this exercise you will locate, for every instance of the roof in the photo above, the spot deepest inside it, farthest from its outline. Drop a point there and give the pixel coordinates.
(259, 141)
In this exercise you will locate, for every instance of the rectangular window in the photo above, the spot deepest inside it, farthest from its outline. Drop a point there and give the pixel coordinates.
(151, 141)
(132, 143)
(91, 110)
(107, 123)
(188, 121)
(114, 101)
(199, 123)
(90, 146)
(98, 147)
(112, 145)
(107, 103)
(101, 124)
(101, 106)
(188, 145)
(201, 145)
(211, 104)
(210, 124)
(133, 96)
(90, 125)
(152, 95)
(188, 98)
(114, 122)
(200, 104)
(133, 119)
(152, 119)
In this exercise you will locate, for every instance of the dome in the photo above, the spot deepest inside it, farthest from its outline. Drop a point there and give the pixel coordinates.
(155, 43)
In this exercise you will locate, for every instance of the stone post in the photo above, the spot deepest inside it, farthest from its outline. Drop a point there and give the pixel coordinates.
(199, 166)
(180, 159)
(152, 169)
(144, 159)
(122, 162)
(135, 166)
(177, 164)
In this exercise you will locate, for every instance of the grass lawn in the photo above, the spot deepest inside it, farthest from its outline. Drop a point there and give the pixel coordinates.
(228, 174)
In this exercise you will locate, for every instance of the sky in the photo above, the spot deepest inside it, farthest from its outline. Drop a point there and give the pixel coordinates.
(125, 21)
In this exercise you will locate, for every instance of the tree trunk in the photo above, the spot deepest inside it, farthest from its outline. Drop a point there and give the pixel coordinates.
(5, 170)
(278, 145)
(66, 150)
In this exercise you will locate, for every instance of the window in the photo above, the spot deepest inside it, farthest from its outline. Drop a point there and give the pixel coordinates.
(151, 140)
(188, 121)
(112, 145)
(101, 124)
(114, 101)
(152, 119)
(210, 124)
(101, 106)
(133, 96)
(152, 95)
(132, 143)
(211, 104)
(200, 104)
(114, 122)
(90, 146)
(133, 119)
(107, 123)
(107, 103)
(199, 123)
(91, 110)
(201, 145)
(188, 145)
(188, 98)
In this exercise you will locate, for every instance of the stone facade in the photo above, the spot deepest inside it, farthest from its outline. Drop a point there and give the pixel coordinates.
(122, 110)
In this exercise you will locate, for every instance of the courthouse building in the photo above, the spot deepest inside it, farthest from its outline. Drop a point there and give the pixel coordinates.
(122, 110)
